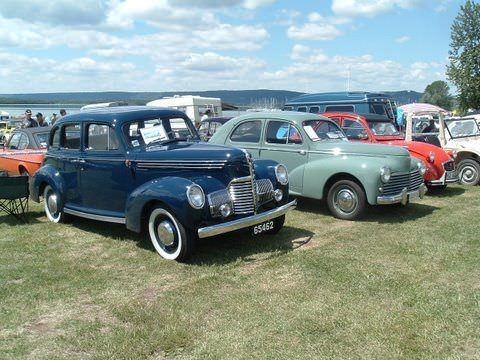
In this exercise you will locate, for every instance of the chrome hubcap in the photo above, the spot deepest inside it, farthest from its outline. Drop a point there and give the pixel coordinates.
(468, 174)
(52, 203)
(166, 233)
(346, 201)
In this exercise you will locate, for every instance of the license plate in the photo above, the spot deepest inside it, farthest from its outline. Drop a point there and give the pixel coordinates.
(263, 227)
(451, 175)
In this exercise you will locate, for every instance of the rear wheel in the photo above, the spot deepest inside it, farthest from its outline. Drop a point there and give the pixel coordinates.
(469, 172)
(52, 205)
(346, 200)
(169, 237)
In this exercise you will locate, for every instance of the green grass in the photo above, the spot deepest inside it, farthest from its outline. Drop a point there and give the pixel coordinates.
(402, 283)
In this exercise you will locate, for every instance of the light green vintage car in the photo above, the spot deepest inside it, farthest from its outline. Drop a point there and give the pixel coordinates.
(322, 164)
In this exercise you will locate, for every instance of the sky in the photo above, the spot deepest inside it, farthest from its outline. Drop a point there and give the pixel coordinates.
(195, 45)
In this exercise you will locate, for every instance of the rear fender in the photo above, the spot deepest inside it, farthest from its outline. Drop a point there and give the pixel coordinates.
(47, 175)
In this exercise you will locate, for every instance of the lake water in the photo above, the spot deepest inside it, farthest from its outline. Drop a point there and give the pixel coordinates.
(49, 109)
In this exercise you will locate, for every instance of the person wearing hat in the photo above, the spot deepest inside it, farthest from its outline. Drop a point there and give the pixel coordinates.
(29, 121)
(40, 120)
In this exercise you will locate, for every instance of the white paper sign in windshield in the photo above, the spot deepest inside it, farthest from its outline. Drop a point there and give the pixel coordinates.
(154, 133)
(311, 133)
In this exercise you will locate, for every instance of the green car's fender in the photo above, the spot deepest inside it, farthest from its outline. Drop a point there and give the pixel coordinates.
(321, 172)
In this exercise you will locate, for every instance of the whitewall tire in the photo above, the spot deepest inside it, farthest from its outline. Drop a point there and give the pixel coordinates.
(51, 201)
(168, 236)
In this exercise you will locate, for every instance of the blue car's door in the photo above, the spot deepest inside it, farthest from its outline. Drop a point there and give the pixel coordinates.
(67, 160)
(105, 179)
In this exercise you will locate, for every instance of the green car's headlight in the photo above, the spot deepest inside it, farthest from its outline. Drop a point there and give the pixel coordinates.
(421, 167)
(385, 174)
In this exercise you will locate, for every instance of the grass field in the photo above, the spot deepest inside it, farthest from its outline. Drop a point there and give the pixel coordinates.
(402, 283)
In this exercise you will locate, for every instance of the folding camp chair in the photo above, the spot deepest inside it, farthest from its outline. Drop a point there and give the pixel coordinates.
(14, 196)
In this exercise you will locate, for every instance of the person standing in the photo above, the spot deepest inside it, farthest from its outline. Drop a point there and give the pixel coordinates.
(29, 121)
(206, 115)
(41, 121)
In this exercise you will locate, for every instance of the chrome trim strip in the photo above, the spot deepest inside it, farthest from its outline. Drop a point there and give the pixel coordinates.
(112, 219)
(403, 197)
(246, 221)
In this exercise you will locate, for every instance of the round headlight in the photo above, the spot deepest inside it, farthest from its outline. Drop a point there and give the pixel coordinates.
(421, 167)
(431, 156)
(195, 196)
(281, 174)
(454, 154)
(385, 173)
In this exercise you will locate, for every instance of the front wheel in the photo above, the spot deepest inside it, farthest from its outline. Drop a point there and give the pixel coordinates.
(469, 172)
(169, 238)
(52, 205)
(346, 200)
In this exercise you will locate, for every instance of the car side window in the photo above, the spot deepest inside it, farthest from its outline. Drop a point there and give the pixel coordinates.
(248, 131)
(354, 130)
(14, 141)
(70, 138)
(55, 138)
(281, 132)
(23, 143)
(314, 109)
(101, 137)
(302, 109)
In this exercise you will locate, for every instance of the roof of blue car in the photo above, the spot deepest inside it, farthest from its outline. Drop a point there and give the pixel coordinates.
(334, 96)
(121, 113)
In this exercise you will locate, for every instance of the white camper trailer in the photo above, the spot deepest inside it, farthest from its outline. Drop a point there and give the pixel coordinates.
(193, 106)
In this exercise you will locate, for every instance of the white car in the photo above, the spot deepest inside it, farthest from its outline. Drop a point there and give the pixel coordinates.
(459, 136)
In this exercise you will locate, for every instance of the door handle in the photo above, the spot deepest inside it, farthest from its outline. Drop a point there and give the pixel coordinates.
(78, 161)
(302, 152)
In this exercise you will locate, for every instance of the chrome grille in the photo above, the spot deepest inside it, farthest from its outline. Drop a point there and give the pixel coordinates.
(449, 165)
(242, 195)
(264, 191)
(398, 182)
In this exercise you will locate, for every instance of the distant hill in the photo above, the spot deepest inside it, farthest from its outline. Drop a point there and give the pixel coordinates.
(257, 98)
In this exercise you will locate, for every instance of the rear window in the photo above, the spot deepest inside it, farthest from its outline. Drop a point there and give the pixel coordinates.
(340, 108)
(248, 131)
(42, 140)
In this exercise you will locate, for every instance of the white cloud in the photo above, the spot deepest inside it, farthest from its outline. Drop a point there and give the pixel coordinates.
(248, 4)
(313, 32)
(318, 27)
(370, 8)
(67, 12)
(402, 39)
(313, 71)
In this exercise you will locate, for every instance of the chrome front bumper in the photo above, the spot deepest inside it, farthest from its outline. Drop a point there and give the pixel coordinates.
(246, 221)
(448, 177)
(404, 197)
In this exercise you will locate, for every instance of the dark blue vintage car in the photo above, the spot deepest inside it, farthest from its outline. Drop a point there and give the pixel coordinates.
(144, 167)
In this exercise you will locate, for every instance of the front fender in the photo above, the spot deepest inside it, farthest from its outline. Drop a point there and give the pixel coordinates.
(319, 172)
(171, 192)
(47, 175)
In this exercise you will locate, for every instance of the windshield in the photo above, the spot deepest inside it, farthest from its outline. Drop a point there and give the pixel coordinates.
(463, 128)
(159, 130)
(383, 128)
(425, 126)
(323, 130)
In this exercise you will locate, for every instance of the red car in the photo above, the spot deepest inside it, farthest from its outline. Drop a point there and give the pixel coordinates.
(24, 151)
(379, 129)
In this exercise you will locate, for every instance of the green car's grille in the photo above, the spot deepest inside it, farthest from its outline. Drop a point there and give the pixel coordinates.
(398, 182)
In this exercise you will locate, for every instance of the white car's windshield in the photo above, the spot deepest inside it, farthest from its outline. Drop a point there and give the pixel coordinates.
(323, 130)
(383, 128)
(463, 128)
